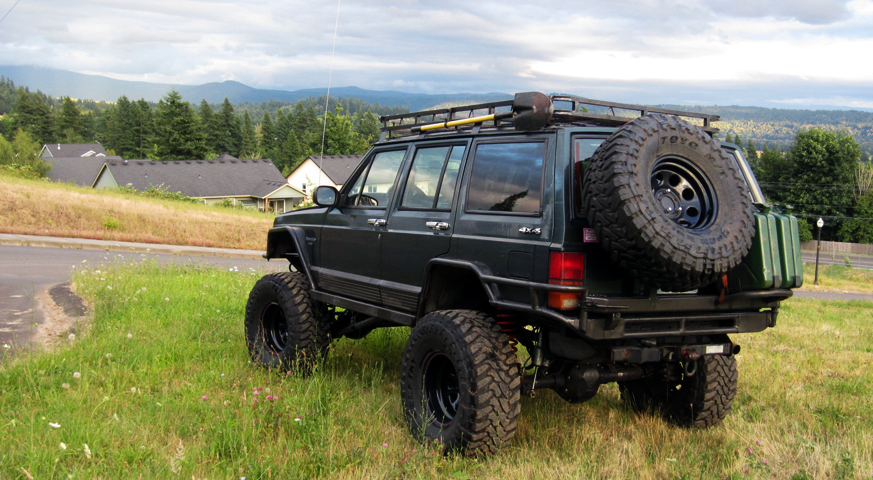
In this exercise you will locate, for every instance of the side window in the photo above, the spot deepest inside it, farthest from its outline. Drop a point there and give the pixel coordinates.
(377, 181)
(583, 150)
(507, 177)
(432, 179)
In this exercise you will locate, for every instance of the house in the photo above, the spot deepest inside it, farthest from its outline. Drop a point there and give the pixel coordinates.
(252, 183)
(71, 150)
(82, 171)
(331, 170)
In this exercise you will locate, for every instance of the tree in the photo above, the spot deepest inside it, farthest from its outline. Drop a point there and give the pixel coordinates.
(33, 115)
(229, 135)
(249, 144)
(209, 127)
(751, 152)
(120, 133)
(728, 139)
(738, 141)
(367, 125)
(823, 164)
(339, 138)
(178, 131)
(143, 128)
(70, 122)
(23, 151)
(267, 140)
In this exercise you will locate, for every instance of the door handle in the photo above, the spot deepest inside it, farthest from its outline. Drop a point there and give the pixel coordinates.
(438, 225)
(378, 222)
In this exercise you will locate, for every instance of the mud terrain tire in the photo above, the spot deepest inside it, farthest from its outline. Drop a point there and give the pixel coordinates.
(700, 401)
(285, 328)
(668, 204)
(460, 383)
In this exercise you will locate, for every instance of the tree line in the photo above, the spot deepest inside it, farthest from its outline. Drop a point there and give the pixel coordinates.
(174, 129)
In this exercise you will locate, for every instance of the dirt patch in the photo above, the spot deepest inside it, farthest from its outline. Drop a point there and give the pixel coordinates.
(65, 313)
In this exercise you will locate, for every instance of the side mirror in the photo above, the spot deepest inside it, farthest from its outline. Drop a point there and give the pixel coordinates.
(325, 196)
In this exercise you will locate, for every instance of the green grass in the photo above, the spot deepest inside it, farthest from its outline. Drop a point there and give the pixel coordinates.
(804, 394)
(836, 277)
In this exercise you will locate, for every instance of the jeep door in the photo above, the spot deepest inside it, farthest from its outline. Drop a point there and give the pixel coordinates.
(504, 222)
(350, 256)
(420, 224)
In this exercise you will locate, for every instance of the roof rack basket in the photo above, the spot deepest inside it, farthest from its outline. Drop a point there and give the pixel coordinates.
(569, 109)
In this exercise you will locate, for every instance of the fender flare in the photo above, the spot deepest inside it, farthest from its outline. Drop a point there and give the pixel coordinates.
(278, 247)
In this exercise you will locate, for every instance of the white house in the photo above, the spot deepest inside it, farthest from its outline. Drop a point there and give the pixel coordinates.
(331, 170)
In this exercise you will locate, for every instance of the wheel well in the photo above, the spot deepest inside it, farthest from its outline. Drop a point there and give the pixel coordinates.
(280, 244)
(453, 288)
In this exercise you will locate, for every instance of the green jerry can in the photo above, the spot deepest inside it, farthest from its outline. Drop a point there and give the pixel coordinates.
(774, 259)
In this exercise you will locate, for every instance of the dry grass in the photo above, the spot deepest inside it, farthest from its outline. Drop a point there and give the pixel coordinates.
(838, 278)
(32, 207)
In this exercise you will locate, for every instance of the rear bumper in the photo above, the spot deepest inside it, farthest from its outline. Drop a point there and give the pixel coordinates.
(607, 318)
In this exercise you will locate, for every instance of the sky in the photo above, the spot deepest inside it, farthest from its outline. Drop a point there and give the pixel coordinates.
(778, 53)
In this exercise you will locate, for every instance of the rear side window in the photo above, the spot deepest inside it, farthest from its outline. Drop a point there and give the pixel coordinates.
(507, 177)
(432, 179)
(583, 150)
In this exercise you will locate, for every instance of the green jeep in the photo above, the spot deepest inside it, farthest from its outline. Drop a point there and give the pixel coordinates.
(614, 242)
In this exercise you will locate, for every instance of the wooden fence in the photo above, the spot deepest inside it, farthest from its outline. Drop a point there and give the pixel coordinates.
(840, 247)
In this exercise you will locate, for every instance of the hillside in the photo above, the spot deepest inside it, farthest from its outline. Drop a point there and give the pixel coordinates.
(35, 207)
(61, 83)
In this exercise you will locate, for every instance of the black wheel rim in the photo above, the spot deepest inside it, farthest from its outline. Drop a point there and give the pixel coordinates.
(684, 193)
(441, 391)
(275, 328)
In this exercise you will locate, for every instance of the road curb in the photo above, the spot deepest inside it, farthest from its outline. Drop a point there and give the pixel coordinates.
(134, 247)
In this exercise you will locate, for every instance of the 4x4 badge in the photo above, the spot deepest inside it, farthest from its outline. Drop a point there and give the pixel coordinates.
(535, 231)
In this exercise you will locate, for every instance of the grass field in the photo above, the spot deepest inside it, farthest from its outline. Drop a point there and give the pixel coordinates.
(841, 278)
(160, 386)
(36, 207)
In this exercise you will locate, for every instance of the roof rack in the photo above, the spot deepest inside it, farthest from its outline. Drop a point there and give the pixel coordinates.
(569, 109)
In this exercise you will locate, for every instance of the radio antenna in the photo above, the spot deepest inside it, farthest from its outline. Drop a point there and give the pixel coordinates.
(327, 99)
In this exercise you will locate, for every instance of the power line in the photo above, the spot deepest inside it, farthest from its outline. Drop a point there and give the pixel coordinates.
(10, 11)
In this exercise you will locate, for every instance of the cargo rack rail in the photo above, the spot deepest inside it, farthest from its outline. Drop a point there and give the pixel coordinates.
(579, 111)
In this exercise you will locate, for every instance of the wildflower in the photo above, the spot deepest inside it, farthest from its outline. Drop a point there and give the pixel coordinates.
(267, 389)
(384, 444)
(71, 336)
(132, 389)
(227, 402)
(109, 287)
(766, 463)
(55, 425)
(166, 299)
(255, 392)
(222, 374)
(87, 450)
(108, 355)
(204, 398)
(77, 375)
(129, 335)
(63, 446)
(758, 442)
(297, 419)
(65, 385)
(218, 311)
(6, 345)
(749, 451)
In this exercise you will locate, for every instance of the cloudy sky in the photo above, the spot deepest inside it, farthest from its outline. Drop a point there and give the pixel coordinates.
(788, 53)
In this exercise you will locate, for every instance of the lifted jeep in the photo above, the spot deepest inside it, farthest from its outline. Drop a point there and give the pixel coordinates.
(616, 243)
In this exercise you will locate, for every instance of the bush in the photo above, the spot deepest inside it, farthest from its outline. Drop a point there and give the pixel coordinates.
(805, 230)
(110, 223)
(18, 170)
(159, 191)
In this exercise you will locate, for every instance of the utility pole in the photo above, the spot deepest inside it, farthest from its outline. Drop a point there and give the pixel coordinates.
(820, 224)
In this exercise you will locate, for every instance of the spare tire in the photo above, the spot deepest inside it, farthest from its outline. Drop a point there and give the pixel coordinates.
(668, 204)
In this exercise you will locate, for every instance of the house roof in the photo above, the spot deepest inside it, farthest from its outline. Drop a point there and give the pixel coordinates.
(201, 178)
(337, 167)
(69, 150)
(79, 170)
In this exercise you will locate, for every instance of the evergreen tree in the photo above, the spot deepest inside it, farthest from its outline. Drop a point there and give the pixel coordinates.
(121, 135)
(178, 134)
(268, 135)
(228, 130)
(249, 144)
(209, 127)
(367, 125)
(33, 115)
(340, 139)
(738, 141)
(728, 139)
(70, 122)
(143, 128)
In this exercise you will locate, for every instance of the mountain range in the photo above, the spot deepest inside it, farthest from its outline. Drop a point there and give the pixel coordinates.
(62, 83)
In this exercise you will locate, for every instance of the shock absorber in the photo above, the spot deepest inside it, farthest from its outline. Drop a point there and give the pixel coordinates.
(510, 327)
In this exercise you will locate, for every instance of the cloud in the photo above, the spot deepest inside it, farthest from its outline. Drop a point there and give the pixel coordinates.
(454, 45)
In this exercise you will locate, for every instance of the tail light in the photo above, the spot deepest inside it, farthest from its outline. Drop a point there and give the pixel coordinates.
(566, 269)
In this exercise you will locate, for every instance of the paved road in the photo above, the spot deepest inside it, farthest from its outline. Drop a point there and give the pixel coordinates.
(858, 261)
(25, 270)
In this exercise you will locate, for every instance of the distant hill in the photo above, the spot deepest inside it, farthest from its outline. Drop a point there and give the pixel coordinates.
(61, 83)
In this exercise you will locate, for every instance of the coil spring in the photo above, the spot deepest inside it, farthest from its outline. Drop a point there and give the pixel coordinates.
(510, 327)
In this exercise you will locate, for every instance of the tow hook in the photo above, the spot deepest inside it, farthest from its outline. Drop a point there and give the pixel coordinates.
(689, 363)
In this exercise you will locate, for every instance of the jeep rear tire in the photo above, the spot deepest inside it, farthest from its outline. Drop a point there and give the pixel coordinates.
(460, 382)
(700, 401)
(285, 328)
(668, 204)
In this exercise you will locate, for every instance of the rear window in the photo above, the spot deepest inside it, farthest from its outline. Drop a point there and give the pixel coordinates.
(583, 150)
(507, 177)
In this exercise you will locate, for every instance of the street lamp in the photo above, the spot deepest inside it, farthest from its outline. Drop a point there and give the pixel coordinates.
(820, 224)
